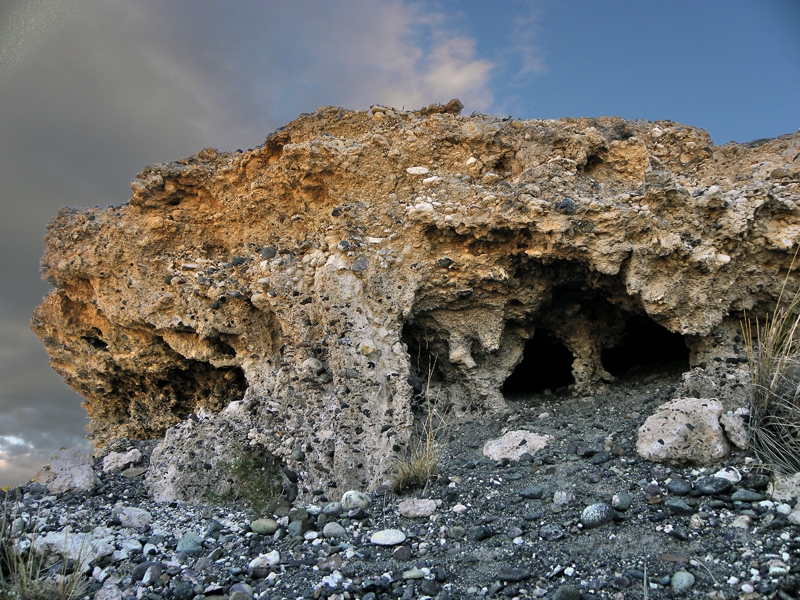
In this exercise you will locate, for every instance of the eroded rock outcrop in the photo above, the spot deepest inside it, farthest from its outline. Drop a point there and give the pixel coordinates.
(357, 260)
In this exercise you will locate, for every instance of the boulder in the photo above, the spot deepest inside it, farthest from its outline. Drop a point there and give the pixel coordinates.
(69, 470)
(329, 279)
(684, 430)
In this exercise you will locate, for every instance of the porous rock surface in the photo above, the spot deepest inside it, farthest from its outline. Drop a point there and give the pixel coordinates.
(328, 279)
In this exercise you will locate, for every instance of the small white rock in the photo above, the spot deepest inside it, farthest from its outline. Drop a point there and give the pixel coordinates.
(265, 560)
(388, 537)
(417, 508)
(417, 170)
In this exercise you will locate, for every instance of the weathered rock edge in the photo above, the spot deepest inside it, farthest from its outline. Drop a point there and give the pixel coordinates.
(301, 283)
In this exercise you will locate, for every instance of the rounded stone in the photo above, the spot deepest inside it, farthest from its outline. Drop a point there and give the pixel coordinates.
(264, 526)
(621, 501)
(190, 543)
(388, 537)
(332, 509)
(598, 514)
(333, 530)
(417, 508)
(355, 499)
(681, 581)
(567, 592)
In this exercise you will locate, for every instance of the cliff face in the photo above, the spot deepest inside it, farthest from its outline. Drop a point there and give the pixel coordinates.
(355, 256)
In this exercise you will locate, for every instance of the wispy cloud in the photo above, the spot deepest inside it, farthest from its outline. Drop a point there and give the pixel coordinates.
(526, 40)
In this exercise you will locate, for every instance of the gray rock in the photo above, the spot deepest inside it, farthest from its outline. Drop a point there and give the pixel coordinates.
(191, 543)
(747, 496)
(132, 518)
(678, 506)
(532, 493)
(355, 499)
(333, 530)
(513, 574)
(361, 264)
(621, 501)
(550, 533)
(417, 508)
(264, 526)
(678, 487)
(332, 509)
(296, 528)
(713, 486)
(598, 514)
(567, 592)
(388, 537)
(681, 581)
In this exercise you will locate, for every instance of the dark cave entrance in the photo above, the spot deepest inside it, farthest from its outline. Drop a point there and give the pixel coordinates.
(546, 364)
(646, 345)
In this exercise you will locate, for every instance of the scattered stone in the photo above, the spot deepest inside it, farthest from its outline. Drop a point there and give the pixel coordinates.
(550, 533)
(567, 592)
(678, 506)
(743, 495)
(621, 501)
(416, 508)
(190, 543)
(678, 486)
(532, 493)
(402, 553)
(265, 560)
(514, 444)
(713, 486)
(598, 514)
(681, 581)
(513, 574)
(355, 499)
(333, 530)
(388, 537)
(133, 518)
(742, 522)
(116, 461)
(265, 526)
(686, 429)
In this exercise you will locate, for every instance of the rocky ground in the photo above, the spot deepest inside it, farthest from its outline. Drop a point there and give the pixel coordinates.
(488, 529)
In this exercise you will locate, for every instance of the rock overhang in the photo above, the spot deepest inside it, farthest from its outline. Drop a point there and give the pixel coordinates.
(310, 278)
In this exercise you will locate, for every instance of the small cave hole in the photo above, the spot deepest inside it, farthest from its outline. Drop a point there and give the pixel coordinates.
(95, 341)
(646, 345)
(222, 347)
(546, 364)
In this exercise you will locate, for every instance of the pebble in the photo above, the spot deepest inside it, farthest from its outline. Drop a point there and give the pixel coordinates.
(417, 508)
(265, 560)
(713, 486)
(681, 581)
(747, 496)
(678, 487)
(190, 543)
(333, 530)
(417, 170)
(513, 574)
(388, 537)
(264, 526)
(598, 514)
(532, 493)
(567, 592)
(133, 518)
(621, 501)
(355, 499)
(550, 533)
(742, 522)
(678, 506)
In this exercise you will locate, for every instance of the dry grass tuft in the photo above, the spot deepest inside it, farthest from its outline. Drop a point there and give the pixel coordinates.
(24, 575)
(773, 350)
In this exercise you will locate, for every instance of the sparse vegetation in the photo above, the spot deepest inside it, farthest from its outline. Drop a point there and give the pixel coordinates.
(25, 575)
(773, 348)
(255, 480)
(417, 470)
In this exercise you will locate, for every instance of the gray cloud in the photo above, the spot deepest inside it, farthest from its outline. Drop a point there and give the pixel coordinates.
(92, 91)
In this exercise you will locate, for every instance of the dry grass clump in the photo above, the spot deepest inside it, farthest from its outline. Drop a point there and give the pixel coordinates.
(24, 575)
(419, 468)
(773, 349)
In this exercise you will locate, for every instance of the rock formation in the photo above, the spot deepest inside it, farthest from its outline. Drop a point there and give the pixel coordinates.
(318, 287)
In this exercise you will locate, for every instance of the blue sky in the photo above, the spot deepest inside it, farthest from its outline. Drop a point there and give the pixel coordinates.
(91, 91)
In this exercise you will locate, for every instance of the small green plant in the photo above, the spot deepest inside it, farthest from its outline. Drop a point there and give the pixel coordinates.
(24, 574)
(773, 350)
(255, 479)
(419, 468)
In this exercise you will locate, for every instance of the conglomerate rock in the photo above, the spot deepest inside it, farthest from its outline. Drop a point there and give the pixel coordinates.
(361, 262)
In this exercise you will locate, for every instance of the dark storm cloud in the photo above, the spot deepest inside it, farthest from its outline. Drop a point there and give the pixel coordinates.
(92, 91)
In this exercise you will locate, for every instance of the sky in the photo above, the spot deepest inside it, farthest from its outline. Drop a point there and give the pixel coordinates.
(92, 91)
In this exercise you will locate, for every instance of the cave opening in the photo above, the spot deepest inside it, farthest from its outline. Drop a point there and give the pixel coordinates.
(646, 345)
(546, 364)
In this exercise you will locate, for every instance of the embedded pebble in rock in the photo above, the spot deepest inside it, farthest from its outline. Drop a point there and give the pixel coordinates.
(388, 537)
(264, 526)
(598, 514)
(133, 518)
(355, 499)
(416, 508)
(514, 444)
(681, 581)
(333, 530)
